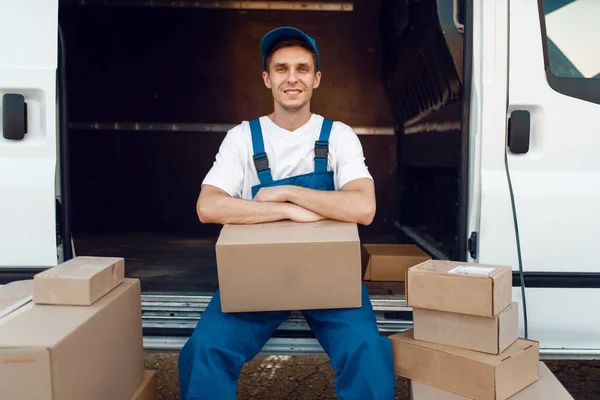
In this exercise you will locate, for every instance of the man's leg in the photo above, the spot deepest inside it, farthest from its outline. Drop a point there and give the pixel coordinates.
(211, 360)
(361, 358)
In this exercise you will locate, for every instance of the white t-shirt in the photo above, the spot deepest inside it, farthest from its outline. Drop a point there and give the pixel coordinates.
(290, 153)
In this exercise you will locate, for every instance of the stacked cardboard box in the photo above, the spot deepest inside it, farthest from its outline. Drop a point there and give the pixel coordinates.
(75, 330)
(465, 341)
(547, 387)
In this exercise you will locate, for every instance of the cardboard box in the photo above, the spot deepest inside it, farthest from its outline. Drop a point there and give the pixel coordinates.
(467, 372)
(389, 262)
(146, 390)
(486, 334)
(92, 353)
(546, 388)
(79, 281)
(15, 295)
(287, 265)
(459, 287)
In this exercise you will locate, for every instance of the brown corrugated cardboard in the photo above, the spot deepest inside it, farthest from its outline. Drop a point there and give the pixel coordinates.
(464, 288)
(546, 388)
(486, 334)
(466, 372)
(287, 265)
(92, 353)
(146, 390)
(389, 262)
(79, 281)
(15, 295)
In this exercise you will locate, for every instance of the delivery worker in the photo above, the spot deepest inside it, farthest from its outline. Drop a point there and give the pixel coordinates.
(291, 164)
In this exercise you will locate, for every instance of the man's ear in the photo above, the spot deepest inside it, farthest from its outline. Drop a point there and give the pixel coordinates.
(317, 80)
(266, 78)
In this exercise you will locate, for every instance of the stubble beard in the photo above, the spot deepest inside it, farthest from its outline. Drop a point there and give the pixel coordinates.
(293, 107)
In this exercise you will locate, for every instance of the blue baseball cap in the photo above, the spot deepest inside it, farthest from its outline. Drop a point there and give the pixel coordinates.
(286, 32)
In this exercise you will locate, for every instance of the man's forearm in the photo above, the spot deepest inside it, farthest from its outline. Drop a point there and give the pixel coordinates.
(217, 207)
(351, 206)
(222, 209)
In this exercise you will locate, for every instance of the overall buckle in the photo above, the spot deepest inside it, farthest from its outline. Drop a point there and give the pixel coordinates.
(321, 149)
(261, 162)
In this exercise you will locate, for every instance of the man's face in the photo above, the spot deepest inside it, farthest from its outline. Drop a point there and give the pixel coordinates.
(292, 77)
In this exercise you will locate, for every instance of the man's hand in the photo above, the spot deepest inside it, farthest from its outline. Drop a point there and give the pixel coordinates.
(216, 206)
(355, 202)
(300, 214)
(276, 194)
(279, 194)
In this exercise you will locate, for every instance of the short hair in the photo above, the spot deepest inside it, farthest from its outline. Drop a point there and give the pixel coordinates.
(290, 42)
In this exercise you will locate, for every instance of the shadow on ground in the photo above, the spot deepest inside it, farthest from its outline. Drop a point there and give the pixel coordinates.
(311, 378)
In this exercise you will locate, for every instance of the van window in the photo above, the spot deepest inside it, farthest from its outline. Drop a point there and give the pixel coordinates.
(572, 64)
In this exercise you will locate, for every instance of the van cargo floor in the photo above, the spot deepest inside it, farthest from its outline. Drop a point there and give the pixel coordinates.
(174, 262)
(163, 262)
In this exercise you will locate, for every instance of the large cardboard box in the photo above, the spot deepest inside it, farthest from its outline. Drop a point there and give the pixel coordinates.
(389, 262)
(287, 265)
(546, 388)
(486, 334)
(51, 352)
(146, 390)
(15, 295)
(459, 287)
(79, 281)
(469, 373)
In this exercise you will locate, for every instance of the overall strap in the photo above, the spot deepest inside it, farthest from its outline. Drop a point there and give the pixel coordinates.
(261, 162)
(322, 146)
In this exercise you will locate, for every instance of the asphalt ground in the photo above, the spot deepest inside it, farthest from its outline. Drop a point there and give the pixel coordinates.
(311, 377)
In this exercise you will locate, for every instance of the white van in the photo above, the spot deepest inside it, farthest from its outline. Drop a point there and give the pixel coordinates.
(480, 122)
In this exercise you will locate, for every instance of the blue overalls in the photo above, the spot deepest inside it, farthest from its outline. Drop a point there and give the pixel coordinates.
(211, 360)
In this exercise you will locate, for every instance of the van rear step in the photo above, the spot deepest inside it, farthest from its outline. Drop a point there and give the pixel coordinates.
(163, 313)
(275, 346)
(169, 319)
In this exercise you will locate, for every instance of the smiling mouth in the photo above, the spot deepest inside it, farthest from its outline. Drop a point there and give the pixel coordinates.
(292, 91)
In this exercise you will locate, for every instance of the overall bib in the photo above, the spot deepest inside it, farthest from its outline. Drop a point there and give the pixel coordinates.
(211, 360)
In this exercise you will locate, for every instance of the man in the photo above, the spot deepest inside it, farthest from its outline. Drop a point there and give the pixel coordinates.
(291, 164)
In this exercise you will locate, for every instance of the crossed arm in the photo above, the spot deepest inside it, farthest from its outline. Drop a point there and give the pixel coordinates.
(355, 202)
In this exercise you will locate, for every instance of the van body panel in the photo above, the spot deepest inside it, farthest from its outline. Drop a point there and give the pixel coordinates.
(28, 160)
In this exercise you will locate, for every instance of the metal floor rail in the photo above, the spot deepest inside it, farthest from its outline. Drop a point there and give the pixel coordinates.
(164, 312)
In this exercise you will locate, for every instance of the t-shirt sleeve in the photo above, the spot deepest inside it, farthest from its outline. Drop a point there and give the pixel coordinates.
(348, 159)
(227, 172)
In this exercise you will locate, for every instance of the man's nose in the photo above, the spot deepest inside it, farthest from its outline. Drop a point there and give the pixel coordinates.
(292, 76)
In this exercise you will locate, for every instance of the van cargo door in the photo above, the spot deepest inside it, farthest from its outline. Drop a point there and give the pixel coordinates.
(554, 132)
(28, 62)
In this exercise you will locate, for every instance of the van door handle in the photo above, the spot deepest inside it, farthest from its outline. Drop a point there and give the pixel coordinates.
(14, 116)
(519, 131)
